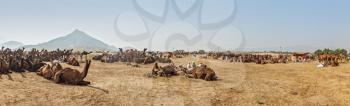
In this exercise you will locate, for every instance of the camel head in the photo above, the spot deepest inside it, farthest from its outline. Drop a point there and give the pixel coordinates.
(121, 50)
(56, 66)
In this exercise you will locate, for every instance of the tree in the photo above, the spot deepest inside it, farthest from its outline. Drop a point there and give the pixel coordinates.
(318, 52)
(343, 52)
(338, 51)
(328, 51)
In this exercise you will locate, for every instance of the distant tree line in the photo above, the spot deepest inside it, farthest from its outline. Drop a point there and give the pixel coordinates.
(342, 52)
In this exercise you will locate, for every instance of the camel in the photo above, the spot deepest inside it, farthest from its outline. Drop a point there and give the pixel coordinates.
(36, 67)
(26, 64)
(166, 55)
(108, 58)
(203, 72)
(73, 62)
(16, 64)
(181, 70)
(46, 72)
(148, 60)
(98, 57)
(56, 67)
(73, 76)
(4, 67)
(166, 71)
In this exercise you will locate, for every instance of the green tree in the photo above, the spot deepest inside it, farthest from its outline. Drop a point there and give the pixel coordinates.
(318, 52)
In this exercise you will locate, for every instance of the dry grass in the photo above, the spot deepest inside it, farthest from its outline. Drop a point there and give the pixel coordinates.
(238, 84)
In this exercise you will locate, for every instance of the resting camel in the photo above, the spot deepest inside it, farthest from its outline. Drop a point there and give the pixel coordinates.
(56, 67)
(73, 62)
(73, 76)
(98, 57)
(203, 72)
(36, 67)
(165, 71)
(46, 71)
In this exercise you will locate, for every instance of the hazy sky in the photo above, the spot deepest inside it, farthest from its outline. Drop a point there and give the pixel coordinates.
(265, 24)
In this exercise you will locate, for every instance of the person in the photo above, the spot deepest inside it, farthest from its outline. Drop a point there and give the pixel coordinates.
(189, 66)
(320, 66)
(193, 64)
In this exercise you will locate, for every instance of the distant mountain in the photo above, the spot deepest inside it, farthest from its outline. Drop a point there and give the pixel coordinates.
(76, 40)
(12, 44)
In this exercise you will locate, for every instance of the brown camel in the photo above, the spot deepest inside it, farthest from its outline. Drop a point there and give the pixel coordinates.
(4, 67)
(46, 71)
(36, 67)
(56, 67)
(73, 62)
(166, 71)
(73, 76)
(148, 60)
(203, 72)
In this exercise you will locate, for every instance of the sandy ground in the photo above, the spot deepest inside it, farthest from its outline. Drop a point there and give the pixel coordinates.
(239, 84)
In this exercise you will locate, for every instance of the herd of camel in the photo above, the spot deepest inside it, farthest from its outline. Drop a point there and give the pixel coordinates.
(200, 71)
(48, 63)
(36, 61)
(135, 56)
(324, 59)
(143, 57)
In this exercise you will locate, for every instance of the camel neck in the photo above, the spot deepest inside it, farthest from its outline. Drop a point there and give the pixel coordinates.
(86, 69)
